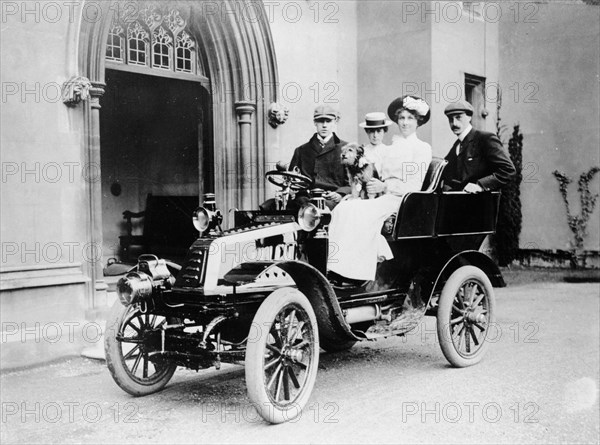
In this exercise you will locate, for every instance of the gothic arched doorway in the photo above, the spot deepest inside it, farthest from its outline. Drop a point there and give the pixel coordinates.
(240, 63)
(155, 130)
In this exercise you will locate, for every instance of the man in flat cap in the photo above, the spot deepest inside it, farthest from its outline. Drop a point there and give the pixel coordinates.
(320, 157)
(477, 161)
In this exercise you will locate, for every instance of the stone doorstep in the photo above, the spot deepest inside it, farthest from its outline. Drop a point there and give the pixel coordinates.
(96, 351)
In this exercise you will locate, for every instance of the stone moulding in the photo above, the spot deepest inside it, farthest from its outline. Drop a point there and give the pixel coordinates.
(21, 277)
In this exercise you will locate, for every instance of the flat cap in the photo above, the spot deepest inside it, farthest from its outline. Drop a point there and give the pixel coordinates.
(459, 107)
(326, 111)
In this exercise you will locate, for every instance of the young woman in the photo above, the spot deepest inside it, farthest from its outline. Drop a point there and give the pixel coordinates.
(376, 126)
(355, 230)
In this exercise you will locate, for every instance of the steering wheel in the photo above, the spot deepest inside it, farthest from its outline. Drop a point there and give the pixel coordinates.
(289, 179)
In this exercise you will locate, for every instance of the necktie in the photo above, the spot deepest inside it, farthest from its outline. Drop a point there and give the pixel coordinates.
(458, 145)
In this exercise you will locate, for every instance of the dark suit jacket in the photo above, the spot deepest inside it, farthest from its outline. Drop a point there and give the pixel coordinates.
(482, 160)
(322, 165)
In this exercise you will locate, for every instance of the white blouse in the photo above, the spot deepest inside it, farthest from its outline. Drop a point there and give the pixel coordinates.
(373, 154)
(404, 164)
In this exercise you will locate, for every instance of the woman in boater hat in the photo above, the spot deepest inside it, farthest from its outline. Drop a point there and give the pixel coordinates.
(376, 126)
(355, 228)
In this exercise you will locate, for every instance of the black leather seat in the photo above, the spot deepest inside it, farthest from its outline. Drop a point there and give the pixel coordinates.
(433, 177)
(431, 183)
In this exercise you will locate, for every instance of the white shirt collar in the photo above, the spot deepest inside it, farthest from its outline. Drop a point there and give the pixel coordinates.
(465, 132)
(462, 136)
(324, 141)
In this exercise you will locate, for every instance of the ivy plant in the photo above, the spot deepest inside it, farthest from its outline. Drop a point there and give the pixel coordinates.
(578, 223)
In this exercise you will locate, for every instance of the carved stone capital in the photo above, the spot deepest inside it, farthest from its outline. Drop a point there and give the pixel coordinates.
(96, 92)
(244, 111)
(98, 89)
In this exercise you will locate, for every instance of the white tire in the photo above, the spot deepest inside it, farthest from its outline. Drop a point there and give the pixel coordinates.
(467, 309)
(282, 356)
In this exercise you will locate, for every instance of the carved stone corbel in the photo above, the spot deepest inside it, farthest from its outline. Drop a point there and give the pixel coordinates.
(75, 90)
(278, 114)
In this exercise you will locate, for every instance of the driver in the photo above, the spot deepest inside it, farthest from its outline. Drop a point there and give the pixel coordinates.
(320, 157)
(320, 160)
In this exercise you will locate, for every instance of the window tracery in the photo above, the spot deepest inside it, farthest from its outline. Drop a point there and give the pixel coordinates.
(156, 36)
(115, 43)
(137, 44)
(162, 49)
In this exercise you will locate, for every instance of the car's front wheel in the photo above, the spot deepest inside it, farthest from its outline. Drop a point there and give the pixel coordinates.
(282, 355)
(130, 337)
(466, 312)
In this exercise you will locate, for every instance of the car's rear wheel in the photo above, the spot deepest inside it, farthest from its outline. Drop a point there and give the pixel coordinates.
(465, 314)
(282, 355)
(130, 337)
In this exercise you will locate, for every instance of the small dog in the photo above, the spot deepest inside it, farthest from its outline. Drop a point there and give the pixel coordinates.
(359, 170)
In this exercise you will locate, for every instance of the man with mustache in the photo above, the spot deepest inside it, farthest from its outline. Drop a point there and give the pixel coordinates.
(477, 161)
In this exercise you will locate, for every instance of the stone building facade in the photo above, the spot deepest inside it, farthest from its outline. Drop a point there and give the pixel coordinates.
(106, 102)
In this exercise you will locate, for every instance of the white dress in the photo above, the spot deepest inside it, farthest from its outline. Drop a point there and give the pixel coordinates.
(355, 240)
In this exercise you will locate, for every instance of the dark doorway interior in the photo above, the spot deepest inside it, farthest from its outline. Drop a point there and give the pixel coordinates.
(155, 138)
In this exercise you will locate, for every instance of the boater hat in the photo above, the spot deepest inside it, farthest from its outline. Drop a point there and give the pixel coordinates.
(412, 103)
(459, 107)
(375, 120)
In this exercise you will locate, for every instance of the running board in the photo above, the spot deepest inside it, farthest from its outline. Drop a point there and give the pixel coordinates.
(405, 322)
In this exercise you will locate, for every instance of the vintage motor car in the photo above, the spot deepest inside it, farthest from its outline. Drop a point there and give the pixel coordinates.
(260, 293)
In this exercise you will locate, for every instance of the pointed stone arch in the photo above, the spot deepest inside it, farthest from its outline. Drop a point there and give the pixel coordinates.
(243, 82)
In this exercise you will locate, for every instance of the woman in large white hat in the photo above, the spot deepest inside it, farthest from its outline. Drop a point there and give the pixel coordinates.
(355, 229)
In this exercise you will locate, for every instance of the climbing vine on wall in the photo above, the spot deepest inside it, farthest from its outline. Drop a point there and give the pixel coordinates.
(578, 223)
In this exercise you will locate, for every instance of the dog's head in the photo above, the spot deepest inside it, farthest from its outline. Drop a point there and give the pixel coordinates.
(351, 153)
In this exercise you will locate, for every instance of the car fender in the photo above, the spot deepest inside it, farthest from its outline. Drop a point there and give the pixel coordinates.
(473, 258)
(312, 283)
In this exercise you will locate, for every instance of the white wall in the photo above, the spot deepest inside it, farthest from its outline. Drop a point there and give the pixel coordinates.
(316, 58)
(460, 44)
(549, 68)
(394, 58)
(423, 48)
(43, 177)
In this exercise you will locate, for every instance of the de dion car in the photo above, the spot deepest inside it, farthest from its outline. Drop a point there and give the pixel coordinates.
(260, 293)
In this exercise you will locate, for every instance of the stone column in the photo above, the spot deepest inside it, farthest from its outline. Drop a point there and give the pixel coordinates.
(247, 168)
(98, 295)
